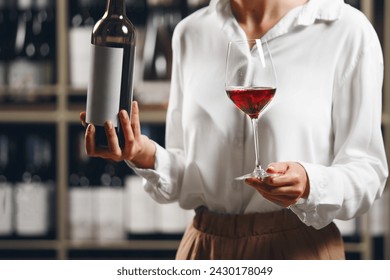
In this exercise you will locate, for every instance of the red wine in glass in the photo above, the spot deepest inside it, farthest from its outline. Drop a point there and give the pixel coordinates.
(251, 100)
(251, 85)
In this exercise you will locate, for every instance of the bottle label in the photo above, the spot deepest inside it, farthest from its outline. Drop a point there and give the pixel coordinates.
(80, 55)
(24, 73)
(6, 209)
(104, 88)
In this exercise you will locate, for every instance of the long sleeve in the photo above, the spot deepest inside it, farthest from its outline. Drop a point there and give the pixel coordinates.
(350, 185)
(163, 182)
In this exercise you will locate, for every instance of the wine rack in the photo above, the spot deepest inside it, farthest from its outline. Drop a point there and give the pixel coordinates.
(60, 112)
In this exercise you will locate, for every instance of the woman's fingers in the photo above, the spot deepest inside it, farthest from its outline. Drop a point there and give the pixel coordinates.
(287, 187)
(113, 152)
(131, 129)
(264, 188)
(277, 168)
(135, 121)
(82, 119)
(283, 200)
(112, 141)
(132, 133)
(90, 140)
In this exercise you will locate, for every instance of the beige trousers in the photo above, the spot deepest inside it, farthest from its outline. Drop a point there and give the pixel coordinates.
(268, 236)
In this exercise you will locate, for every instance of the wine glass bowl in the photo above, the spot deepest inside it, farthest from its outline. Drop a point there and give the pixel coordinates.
(251, 100)
(251, 85)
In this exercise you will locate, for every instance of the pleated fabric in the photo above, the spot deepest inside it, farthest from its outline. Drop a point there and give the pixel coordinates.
(262, 236)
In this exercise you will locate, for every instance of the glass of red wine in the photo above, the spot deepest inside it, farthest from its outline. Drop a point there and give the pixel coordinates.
(251, 85)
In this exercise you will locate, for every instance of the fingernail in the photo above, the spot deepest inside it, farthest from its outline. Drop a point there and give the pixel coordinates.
(108, 125)
(90, 128)
(122, 114)
(270, 168)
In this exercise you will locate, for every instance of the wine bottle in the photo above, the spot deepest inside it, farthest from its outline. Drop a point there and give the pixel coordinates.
(10, 167)
(82, 13)
(24, 73)
(6, 190)
(3, 27)
(34, 195)
(80, 191)
(354, 3)
(137, 11)
(81, 24)
(8, 27)
(157, 57)
(79, 166)
(44, 33)
(110, 87)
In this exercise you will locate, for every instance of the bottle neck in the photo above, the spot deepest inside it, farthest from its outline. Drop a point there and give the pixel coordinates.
(116, 7)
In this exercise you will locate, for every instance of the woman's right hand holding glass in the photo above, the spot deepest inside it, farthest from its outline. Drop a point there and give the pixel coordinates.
(138, 149)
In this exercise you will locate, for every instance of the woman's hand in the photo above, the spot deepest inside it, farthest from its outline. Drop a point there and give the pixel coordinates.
(289, 184)
(139, 149)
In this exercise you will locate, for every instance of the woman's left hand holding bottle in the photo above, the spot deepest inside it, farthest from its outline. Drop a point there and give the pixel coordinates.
(138, 149)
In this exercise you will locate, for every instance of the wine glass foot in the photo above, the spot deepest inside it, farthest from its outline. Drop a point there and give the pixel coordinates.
(257, 173)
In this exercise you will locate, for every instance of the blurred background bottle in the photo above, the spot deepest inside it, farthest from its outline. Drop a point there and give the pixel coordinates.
(44, 30)
(34, 193)
(8, 25)
(3, 57)
(33, 59)
(80, 191)
(6, 190)
(82, 19)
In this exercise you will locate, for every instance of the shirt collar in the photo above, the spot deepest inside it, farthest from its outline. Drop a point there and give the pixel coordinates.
(324, 10)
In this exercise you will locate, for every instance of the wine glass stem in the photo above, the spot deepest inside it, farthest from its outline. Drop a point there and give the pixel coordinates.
(256, 140)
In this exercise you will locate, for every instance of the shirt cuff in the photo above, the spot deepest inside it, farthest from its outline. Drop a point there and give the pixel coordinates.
(306, 209)
(150, 174)
(154, 176)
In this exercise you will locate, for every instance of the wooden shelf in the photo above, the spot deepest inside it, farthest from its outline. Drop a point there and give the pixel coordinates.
(45, 115)
(58, 109)
(28, 244)
(49, 115)
(148, 113)
(39, 90)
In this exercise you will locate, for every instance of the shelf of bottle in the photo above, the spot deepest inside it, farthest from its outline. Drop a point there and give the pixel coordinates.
(38, 244)
(148, 114)
(39, 105)
(89, 245)
(32, 115)
(354, 247)
(38, 90)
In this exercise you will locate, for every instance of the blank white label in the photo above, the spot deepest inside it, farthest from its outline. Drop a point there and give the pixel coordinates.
(80, 56)
(6, 209)
(104, 88)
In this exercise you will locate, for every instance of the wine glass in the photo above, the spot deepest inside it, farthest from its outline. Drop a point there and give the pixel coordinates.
(251, 85)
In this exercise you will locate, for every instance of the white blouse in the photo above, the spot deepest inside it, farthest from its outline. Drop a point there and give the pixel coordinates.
(326, 114)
